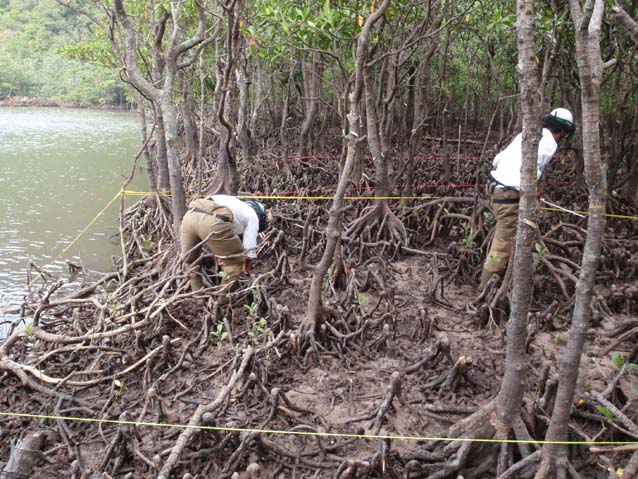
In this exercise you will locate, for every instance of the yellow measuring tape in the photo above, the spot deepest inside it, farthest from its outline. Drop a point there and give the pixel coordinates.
(282, 432)
(294, 197)
(360, 198)
(275, 197)
(608, 215)
(91, 223)
(81, 233)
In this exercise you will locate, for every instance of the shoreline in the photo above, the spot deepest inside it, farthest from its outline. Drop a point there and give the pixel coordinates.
(26, 101)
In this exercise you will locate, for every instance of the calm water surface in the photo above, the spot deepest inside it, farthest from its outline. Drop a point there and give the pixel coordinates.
(58, 169)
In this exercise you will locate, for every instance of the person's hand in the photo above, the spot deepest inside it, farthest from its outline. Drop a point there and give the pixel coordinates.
(540, 189)
(544, 197)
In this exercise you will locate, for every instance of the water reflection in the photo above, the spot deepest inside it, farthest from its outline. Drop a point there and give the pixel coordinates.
(58, 169)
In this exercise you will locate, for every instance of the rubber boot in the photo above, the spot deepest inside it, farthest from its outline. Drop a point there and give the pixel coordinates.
(485, 278)
(196, 282)
(225, 295)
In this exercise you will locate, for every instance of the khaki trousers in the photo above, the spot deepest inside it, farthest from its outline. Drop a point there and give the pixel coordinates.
(217, 221)
(505, 206)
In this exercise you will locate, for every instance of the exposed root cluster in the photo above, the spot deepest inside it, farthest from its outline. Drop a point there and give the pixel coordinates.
(391, 355)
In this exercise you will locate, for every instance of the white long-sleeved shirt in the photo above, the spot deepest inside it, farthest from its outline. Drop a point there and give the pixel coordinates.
(507, 164)
(245, 221)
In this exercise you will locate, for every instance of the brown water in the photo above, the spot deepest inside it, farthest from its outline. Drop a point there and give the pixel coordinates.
(58, 169)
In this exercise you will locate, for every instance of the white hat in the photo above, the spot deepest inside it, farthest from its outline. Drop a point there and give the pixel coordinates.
(563, 114)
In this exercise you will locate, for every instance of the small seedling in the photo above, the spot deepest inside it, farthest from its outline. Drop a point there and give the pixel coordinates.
(362, 299)
(618, 360)
(607, 413)
(468, 238)
(120, 386)
(28, 333)
(328, 273)
(251, 309)
(220, 333)
(259, 326)
(538, 255)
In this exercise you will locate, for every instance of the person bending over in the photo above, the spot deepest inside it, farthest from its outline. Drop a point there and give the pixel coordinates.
(221, 220)
(505, 183)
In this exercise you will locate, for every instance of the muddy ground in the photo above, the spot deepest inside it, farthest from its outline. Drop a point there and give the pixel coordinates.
(403, 351)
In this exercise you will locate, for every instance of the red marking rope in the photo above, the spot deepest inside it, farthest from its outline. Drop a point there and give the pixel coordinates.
(417, 158)
(399, 187)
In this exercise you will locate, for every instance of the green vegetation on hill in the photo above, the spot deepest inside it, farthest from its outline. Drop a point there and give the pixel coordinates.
(37, 38)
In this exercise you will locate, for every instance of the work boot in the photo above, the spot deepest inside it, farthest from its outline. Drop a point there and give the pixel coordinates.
(225, 294)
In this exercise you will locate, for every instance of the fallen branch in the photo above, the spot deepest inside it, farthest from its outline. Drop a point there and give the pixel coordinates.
(196, 420)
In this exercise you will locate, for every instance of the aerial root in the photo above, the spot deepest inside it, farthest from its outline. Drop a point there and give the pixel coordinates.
(521, 467)
(378, 464)
(378, 223)
(448, 381)
(632, 466)
(622, 333)
(555, 466)
(441, 350)
(393, 389)
(454, 464)
(442, 460)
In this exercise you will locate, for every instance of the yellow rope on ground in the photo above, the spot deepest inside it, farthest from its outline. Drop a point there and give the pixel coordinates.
(609, 215)
(274, 197)
(328, 198)
(283, 432)
(314, 433)
(295, 197)
(145, 193)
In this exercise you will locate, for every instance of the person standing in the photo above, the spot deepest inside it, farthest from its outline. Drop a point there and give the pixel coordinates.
(230, 227)
(505, 183)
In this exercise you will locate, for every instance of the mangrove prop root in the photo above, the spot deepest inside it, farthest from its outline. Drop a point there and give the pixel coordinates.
(196, 419)
(24, 456)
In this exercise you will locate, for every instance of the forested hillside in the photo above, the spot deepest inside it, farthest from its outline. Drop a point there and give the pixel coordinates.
(38, 40)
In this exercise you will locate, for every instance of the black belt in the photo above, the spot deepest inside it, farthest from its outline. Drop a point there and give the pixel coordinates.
(216, 215)
(506, 201)
(493, 183)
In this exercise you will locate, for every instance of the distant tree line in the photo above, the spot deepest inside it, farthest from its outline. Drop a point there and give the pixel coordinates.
(39, 45)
